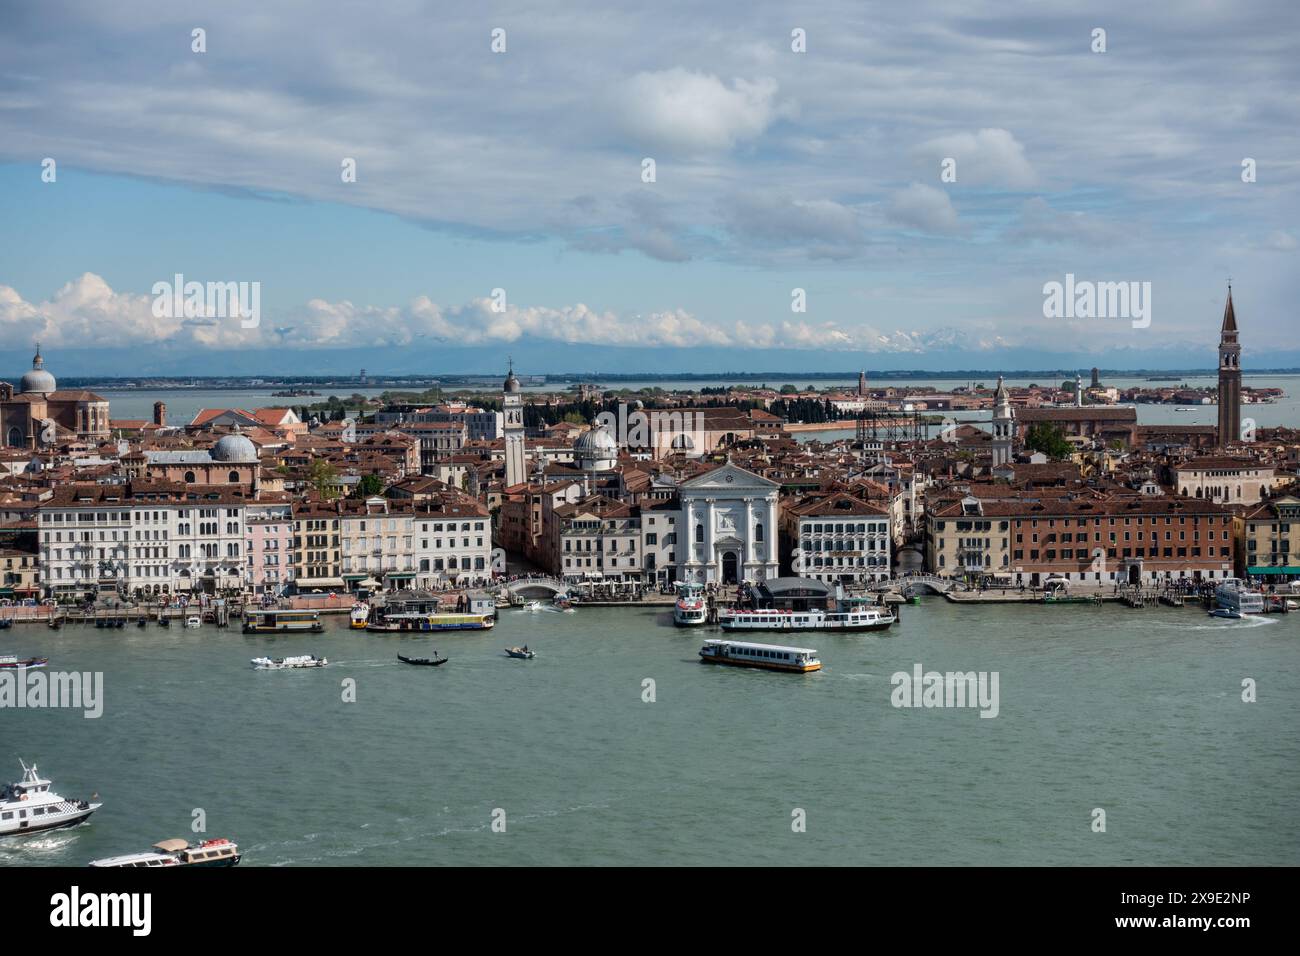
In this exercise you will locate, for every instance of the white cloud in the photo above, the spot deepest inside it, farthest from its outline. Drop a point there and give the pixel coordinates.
(923, 208)
(987, 157)
(695, 112)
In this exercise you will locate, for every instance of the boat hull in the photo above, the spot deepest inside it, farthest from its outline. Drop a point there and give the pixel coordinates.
(70, 821)
(735, 628)
(762, 665)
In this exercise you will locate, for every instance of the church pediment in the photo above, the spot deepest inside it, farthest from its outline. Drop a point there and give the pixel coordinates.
(729, 478)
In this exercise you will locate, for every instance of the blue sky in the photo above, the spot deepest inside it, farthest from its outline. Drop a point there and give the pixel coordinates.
(522, 170)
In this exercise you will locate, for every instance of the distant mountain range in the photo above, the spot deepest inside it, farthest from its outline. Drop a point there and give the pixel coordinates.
(536, 358)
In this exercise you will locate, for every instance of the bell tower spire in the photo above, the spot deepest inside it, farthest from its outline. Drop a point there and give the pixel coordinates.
(1229, 376)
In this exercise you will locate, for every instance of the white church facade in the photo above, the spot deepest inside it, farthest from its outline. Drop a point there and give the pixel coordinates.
(727, 529)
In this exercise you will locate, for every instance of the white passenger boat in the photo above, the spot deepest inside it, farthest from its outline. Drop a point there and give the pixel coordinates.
(358, 616)
(30, 805)
(171, 853)
(1233, 594)
(770, 619)
(691, 608)
(287, 663)
(194, 621)
(772, 657)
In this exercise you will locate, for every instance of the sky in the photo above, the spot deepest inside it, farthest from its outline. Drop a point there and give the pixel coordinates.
(895, 194)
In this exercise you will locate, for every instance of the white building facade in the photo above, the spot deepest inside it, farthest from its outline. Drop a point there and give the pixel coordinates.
(727, 531)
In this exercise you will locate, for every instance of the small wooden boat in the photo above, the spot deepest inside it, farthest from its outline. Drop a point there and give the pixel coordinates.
(163, 621)
(141, 622)
(422, 661)
(6, 623)
(55, 623)
(11, 662)
(523, 653)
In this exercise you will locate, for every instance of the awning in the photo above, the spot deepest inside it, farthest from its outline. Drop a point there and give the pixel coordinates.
(353, 577)
(399, 574)
(1268, 569)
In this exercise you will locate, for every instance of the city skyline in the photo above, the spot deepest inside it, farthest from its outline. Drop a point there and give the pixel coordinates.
(500, 200)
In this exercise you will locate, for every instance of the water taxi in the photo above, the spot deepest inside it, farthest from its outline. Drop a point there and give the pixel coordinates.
(523, 653)
(30, 805)
(282, 621)
(287, 663)
(690, 608)
(405, 621)
(176, 853)
(773, 657)
(358, 616)
(10, 662)
(1233, 594)
(772, 619)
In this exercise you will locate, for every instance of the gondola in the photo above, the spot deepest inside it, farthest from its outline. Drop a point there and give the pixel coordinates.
(422, 661)
(142, 622)
(163, 621)
(55, 624)
(6, 623)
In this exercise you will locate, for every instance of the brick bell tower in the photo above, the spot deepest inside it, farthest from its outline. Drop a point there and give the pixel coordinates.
(1229, 378)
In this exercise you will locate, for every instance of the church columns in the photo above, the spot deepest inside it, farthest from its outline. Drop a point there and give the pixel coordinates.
(751, 553)
(769, 530)
(710, 558)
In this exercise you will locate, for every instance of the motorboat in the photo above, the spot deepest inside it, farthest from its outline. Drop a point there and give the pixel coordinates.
(358, 616)
(288, 663)
(690, 608)
(523, 653)
(12, 662)
(1230, 613)
(422, 661)
(194, 621)
(176, 852)
(30, 805)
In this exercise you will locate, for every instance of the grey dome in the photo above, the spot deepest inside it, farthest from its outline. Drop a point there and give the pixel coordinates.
(511, 383)
(234, 449)
(38, 380)
(597, 443)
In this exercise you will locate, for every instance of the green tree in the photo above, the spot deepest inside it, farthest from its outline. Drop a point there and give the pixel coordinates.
(369, 486)
(1050, 440)
(321, 476)
(788, 390)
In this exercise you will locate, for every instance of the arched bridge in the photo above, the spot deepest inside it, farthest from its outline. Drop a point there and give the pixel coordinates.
(537, 586)
(922, 582)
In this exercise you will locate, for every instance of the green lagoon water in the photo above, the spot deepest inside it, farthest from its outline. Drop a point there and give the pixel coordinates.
(1135, 712)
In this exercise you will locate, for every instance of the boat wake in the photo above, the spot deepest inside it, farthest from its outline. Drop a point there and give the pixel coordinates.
(1218, 624)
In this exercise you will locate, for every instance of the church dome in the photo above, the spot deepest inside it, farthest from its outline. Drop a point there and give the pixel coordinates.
(234, 449)
(511, 383)
(596, 450)
(596, 443)
(38, 380)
